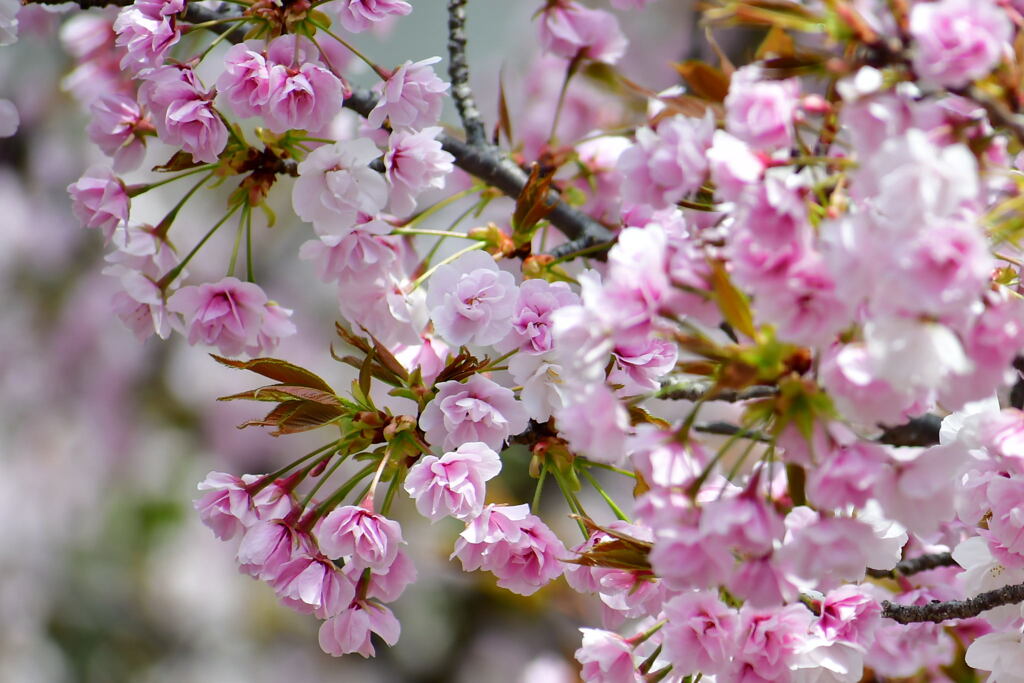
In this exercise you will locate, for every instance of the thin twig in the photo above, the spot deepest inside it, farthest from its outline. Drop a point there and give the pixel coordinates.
(914, 565)
(727, 429)
(938, 612)
(694, 391)
(458, 71)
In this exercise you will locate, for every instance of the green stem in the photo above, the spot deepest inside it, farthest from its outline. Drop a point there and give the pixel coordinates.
(610, 468)
(323, 480)
(423, 278)
(570, 70)
(384, 75)
(339, 495)
(535, 506)
(165, 225)
(611, 503)
(216, 41)
(385, 507)
(494, 364)
(250, 274)
(571, 501)
(135, 191)
(238, 240)
(169, 277)
(434, 208)
(216, 22)
(433, 233)
(267, 479)
(437, 245)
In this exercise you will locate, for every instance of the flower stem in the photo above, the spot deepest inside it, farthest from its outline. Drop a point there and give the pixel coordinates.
(423, 278)
(169, 277)
(611, 503)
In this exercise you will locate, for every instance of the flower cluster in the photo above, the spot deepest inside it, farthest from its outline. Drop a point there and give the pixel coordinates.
(755, 306)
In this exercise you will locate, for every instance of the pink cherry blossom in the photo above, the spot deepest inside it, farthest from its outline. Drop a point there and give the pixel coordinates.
(595, 424)
(531, 316)
(99, 200)
(147, 31)
(544, 390)
(267, 546)
(958, 40)
(245, 81)
(639, 366)
(768, 639)
(454, 483)
(311, 584)
(850, 613)
(474, 410)
(388, 584)
(383, 306)
(847, 475)
(568, 29)
(357, 255)
(606, 658)
(411, 97)
(115, 126)
(918, 490)
(667, 164)
(301, 91)
(760, 111)
(228, 508)
(358, 15)
(471, 300)
(350, 630)
(369, 540)
(1002, 653)
(742, 521)
(429, 357)
(413, 163)
(734, 166)
(701, 633)
(336, 185)
(233, 315)
(517, 547)
(183, 112)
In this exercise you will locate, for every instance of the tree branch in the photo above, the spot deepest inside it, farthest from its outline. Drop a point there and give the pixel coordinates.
(484, 161)
(458, 71)
(937, 612)
(727, 429)
(920, 431)
(915, 565)
(695, 391)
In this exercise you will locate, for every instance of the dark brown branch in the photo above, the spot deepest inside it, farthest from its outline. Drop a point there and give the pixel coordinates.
(695, 391)
(727, 429)
(915, 565)
(458, 71)
(937, 612)
(920, 431)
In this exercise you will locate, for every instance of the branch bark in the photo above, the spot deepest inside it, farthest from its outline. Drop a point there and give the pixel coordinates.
(694, 391)
(458, 71)
(937, 612)
(914, 565)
